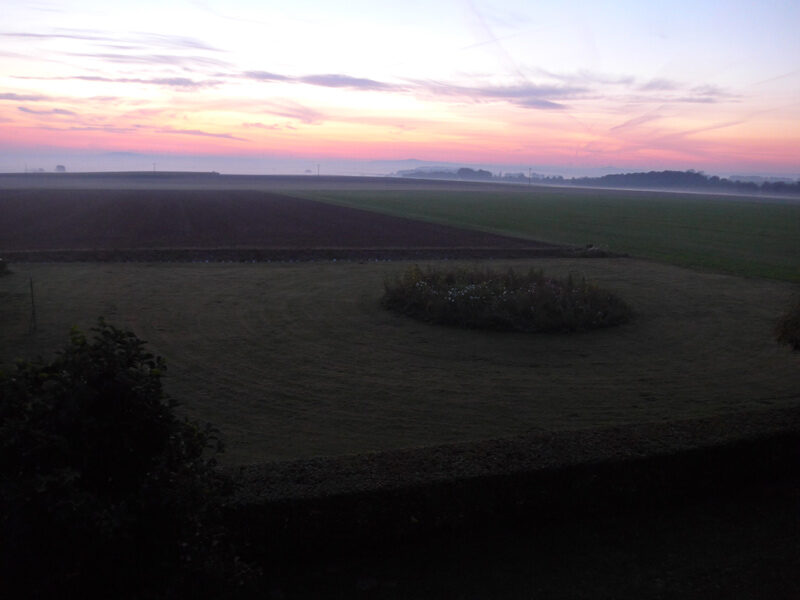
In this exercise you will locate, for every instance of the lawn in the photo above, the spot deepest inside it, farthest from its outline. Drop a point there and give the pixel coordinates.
(298, 360)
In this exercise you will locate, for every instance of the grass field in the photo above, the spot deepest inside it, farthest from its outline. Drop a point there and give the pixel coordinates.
(755, 237)
(295, 360)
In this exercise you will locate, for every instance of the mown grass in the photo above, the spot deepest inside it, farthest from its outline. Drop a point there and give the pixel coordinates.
(745, 236)
(299, 360)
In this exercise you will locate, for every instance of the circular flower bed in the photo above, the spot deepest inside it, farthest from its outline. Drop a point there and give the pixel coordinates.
(510, 301)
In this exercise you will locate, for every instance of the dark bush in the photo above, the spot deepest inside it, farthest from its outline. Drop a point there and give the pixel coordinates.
(787, 330)
(103, 489)
(504, 301)
(4, 267)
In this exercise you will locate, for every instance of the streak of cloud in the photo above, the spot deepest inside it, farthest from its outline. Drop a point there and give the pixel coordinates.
(154, 59)
(346, 81)
(265, 76)
(637, 121)
(54, 111)
(524, 95)
(137, 40)
(658, 85)
(24, 97)
(179, 82)
(199, 132)
(176, 82)
(292, 110)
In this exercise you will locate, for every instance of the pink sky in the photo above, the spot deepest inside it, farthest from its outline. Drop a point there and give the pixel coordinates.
(250, 86)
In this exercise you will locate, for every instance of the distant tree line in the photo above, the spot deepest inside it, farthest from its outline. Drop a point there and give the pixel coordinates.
(463, 173)
(689, 180)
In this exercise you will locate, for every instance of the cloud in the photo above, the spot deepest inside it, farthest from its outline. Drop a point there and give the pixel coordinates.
(56, 36)
(524, 95)
(54, 111)
(333, 80)
(155, 59)
(136, 41)
(539, 103)
(346, 81)
(105, 129)
(265, 76)
(179, 82)
(636, 121)
(24, 97)
(658, 85)
(585, 77)
(292, 110)
(226, 136)
(261, 125)
(175, 41)
(702, 94)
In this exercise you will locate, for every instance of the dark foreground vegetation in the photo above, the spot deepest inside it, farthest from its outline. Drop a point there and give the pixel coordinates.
(104, 491)
(787, 330)
(509, 301)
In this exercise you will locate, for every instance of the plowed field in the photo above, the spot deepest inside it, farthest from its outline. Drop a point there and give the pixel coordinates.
(73, 219)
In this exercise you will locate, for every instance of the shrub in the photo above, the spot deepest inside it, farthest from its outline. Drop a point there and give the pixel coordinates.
(504, 301)
(787, 330)
(4, 267)
(102, 487)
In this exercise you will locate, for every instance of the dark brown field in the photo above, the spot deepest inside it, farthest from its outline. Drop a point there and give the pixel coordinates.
(74, 219)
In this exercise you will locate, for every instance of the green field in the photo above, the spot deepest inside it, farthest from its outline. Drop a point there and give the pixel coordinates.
(753, 237)
(294, 360)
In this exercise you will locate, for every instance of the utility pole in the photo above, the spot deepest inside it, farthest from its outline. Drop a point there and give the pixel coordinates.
(530, 177)
(317, 170)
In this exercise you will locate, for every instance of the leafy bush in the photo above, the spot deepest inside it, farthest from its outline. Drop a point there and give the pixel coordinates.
(504, 301)
(102, 487)
(787, 330)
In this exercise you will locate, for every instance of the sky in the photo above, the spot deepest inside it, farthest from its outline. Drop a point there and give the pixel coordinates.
(246, 86)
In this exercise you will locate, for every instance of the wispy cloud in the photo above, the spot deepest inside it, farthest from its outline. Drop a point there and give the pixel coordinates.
(177, 82)
(175, 41)
(226, 136)
(524, 95)
(154, 59)
(667, 90)
(133, 41)
(265, 76)
(346, 81)
(292, 110)
(586, 77)
(272, 126)
(332, 80)
(95, 128)
(636, 121)
(56, 36)
(53, 111)
(24, 97)
(658, 85)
